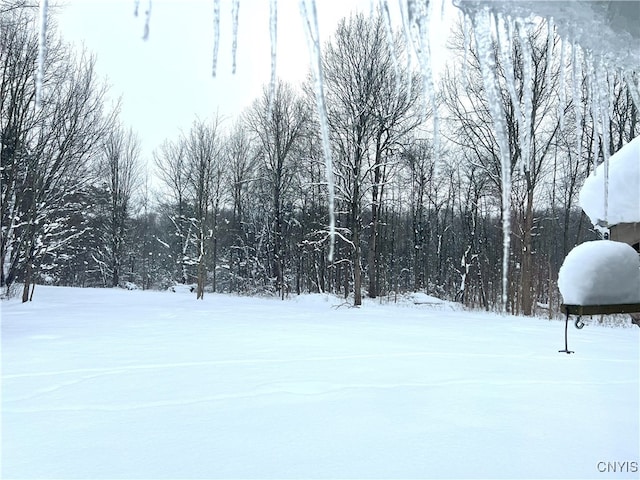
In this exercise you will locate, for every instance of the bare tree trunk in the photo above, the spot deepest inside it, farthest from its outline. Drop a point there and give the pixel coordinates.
(527, 258)
(202, 277)
(373, 258)
(357, 270)
(27, 282)
(214, 279)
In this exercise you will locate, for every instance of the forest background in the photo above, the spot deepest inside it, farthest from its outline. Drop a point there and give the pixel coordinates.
(241, 205)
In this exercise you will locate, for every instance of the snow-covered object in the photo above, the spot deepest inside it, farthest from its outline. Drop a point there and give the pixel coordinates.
(623, 199)
(421, 298)
(602, 272)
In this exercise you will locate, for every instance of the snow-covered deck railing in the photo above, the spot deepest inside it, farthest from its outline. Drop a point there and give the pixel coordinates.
(581, 310)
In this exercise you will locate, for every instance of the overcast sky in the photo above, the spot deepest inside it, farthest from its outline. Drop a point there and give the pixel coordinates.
(166, 81)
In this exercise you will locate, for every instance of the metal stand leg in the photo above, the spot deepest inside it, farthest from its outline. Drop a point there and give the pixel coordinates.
(566, 327)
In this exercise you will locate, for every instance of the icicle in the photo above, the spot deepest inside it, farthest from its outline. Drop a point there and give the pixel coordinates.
(527, 87)
(419, 15)
(310, 21)
(273, 30)
(611, 81)
(418, 20)
(136, 6)
(603, 97)
(147, 21)
(42, 51)
(407, 38)
(216, 36)
(386, 16)
(632, 87)
(550, 42)
(466, 46)
(505, 49)
(576, 73)
(235, 10)
(594, 106)
(484, 45)
(561, 85)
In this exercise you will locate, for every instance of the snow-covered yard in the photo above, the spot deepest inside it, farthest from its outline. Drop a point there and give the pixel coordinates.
(132, 384)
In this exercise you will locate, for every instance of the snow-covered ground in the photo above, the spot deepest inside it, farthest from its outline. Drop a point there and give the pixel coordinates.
(132, 384)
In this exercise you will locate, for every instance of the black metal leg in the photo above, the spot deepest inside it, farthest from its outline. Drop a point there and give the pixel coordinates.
(566, 328)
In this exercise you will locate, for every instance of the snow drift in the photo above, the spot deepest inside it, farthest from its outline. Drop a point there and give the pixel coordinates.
(624, 188)
(601, 272)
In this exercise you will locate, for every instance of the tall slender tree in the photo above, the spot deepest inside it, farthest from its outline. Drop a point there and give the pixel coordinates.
(203, 153)
(279, 124)
(120, 169)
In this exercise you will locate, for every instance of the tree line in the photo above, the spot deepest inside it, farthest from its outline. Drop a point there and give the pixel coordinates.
(242, 206)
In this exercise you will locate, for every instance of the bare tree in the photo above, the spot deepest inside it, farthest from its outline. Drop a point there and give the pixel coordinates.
(45, 152)
(279, 124)
(370, 102)
(173, 170)
(121, 172)
(203, 153)
(241, 159)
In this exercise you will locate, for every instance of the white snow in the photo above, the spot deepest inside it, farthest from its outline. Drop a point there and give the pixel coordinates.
(623, 191)
(601, 272)
(148, 385)
(421, 298)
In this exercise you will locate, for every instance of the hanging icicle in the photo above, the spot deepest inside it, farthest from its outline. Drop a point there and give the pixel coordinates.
(273, 33)
(310, 21)
(407, 39)
(419, 13)
(562, 95)
(216, 35)
(235, 12)
(466, 47)
(386, 17)
(593, 105)
(527, 88)
(42, 51)
(603, 96)
(147, 21)
(550, 43)
(576, 80)
(504, 33)
(484, 45)
(634, 89)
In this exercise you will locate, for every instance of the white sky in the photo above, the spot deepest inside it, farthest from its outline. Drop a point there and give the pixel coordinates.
(166, 81)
